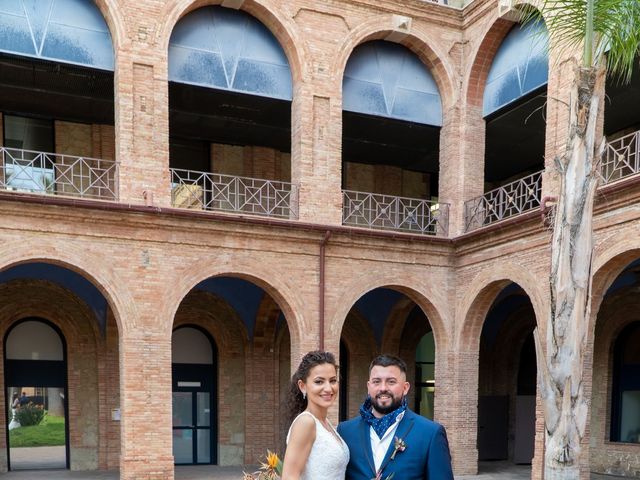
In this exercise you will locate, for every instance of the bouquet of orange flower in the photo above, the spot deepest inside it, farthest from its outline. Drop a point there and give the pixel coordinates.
(271, 469)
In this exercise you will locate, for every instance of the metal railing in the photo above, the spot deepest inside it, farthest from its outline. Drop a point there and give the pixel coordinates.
(56, 174)
(507, 201)
(211, 191)
(621, 158)
(387, 212)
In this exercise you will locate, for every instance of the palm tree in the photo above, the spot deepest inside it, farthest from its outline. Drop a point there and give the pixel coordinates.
(608, 34)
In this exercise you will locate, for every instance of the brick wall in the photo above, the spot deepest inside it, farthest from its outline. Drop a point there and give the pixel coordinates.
(146, 263)
(255, 162)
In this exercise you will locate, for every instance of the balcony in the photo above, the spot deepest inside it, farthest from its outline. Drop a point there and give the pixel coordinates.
(211, 191)
(387, 212)
(58, 174)
(504, 202)
(621, 158)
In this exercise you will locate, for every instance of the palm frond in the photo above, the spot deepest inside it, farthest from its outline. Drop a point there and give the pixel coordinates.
(613, 36)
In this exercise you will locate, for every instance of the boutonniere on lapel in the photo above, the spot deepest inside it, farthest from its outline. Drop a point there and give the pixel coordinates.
(399, 445)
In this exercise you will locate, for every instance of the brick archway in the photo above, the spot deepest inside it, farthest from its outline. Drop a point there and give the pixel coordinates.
(361, 348)
(395, 326)
(422, 293)
(478, 300)
(617, 311)
(91, 357)
(275, 284)
(214, 315)
(92, 266)
(485, 52)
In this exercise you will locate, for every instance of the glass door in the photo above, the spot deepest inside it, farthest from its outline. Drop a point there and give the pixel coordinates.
(192, 428)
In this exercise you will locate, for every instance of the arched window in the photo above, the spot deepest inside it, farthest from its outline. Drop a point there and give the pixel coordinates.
(625, 403)
(389, 80)
(519, 67)
(69, 31)
(228, 49)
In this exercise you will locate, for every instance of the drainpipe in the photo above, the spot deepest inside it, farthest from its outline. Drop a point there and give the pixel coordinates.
(323, 244)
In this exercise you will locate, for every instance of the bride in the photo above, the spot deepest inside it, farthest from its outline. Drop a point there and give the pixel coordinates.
(314, 448)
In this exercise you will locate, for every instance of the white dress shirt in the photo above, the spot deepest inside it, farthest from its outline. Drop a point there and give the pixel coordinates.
(379, 446)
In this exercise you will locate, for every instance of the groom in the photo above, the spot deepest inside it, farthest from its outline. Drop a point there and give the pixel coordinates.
(388, 438)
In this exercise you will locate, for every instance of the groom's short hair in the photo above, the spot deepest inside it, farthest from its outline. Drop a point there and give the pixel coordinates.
(385, 360)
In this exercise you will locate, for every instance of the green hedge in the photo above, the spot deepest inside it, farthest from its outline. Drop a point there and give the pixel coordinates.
(30, 414)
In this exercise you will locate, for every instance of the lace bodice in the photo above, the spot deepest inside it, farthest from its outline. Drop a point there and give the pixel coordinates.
(328, 459)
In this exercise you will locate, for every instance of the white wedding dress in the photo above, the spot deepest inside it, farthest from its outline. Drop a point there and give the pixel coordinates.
(329, 454)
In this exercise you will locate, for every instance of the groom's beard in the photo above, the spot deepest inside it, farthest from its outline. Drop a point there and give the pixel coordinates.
(382, 409)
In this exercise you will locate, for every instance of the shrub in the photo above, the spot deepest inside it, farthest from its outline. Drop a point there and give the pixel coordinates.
(30, 414)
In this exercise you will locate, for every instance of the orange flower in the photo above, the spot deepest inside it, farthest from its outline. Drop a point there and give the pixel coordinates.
(273, 462)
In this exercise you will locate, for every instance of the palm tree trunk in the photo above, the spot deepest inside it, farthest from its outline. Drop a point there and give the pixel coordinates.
(560, 372)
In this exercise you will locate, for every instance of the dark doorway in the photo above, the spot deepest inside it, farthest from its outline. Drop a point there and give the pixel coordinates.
(194, 397)
(35, 368)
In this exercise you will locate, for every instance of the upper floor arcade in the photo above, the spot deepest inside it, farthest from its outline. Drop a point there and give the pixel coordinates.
(249, 109)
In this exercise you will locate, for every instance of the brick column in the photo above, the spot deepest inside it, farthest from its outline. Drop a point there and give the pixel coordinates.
(261, 394)
(145, 401)
(462, 427)
(142, 124)
(462, 141)
(316, 154)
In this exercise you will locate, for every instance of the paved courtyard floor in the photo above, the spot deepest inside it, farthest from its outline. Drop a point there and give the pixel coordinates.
(42, 460)
(235, 473)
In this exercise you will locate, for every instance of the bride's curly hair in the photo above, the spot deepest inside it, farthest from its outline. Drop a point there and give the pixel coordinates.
(295, 402)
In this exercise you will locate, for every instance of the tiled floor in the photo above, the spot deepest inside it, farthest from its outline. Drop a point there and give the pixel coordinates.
(48, 455)
(235, 473)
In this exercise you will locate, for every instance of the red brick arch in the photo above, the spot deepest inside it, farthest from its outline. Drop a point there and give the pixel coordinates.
(395, 325)
(282, 27)
(484, 59)
(213, 314)
(361, 348)
(484, 55)
(476, 303)
(617, 311)
(424, 294)
(264, 332)
(24, 298)
(219, 319)
(275, 284)
(609, 262)
(90, 264)
(379, 27)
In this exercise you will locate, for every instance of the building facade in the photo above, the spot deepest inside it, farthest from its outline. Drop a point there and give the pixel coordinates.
(196, 193)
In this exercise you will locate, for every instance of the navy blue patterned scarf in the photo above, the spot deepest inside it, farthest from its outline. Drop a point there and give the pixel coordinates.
(380, 425)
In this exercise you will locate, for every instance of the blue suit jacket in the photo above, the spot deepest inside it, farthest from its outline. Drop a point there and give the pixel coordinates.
(426, 456)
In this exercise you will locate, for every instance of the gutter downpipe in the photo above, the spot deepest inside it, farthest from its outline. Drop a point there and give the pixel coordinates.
(323, 245)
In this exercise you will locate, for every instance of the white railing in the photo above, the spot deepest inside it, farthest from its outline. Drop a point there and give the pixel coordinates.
(621, 158)
(211, 191)
(56, 174)
(504, 202)
(387, 212)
